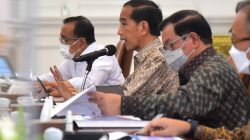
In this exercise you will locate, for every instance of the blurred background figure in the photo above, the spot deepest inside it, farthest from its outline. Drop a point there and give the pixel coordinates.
(241, 4)
(17, 43)
(236, 54)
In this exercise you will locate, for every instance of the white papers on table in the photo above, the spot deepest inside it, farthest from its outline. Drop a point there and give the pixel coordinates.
(139, 137)
(78, 104)
(46, 110)
(120, 135)
(111, 124)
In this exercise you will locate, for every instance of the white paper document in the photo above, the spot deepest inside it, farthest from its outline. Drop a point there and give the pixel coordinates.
(78, 104)
(121, 135)
(138, 137)
(46, 110)
(111, 124)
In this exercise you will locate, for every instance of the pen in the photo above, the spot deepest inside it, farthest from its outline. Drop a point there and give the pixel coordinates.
(158, 116)
(45, 90)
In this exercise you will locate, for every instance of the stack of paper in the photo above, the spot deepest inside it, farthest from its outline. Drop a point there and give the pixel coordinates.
(111, 124)
(78, 104)
(123, 135)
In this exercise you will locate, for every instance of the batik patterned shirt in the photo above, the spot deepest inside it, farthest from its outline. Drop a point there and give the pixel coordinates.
(210, 92)
(206, 133)
(151, 75)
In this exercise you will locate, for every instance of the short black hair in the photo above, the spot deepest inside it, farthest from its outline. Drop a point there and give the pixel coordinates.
(241, 4)
(149, 14)
(139, 3)
(83, 28)
(186, 21)
(146, 10)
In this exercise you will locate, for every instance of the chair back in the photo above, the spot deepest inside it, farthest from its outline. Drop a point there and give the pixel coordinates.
(246, 80)
(124, 58)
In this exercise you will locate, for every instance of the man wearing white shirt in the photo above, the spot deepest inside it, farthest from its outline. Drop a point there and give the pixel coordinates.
(77, 38)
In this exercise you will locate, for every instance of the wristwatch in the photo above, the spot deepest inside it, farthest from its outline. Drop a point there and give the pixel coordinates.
(194, 125)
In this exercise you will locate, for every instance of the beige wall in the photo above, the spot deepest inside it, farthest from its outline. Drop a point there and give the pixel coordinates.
(104, 15)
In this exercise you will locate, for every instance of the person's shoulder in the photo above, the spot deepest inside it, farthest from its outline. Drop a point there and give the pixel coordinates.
(216, 65)
(157, 52)
(216, 61)
(67, 62)
(96, 46)
(222, 63)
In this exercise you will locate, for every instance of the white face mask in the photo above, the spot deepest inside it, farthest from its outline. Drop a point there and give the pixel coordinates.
(240, 59)
(176, 58)
(64, 50)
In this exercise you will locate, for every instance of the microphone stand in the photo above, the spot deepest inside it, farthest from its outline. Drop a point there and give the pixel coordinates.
(90, 63)
(88, 69)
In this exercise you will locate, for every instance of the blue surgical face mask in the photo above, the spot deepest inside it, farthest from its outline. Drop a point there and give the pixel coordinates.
(176, 58)
(64, 50)
(240, 59)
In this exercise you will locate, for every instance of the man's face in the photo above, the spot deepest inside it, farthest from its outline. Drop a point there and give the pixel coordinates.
(128, 29)
(173, 41)
(67, 34)
(240, 36)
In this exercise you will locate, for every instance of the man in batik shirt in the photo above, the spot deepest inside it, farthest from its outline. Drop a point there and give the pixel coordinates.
(139, 21)
(211, 92)
(170, 127)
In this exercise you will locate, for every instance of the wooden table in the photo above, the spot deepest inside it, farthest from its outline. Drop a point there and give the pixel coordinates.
(11, 96)
(41, 126)
(37, 107)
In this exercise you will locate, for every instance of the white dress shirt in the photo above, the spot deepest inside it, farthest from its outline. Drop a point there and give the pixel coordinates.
(105, 70)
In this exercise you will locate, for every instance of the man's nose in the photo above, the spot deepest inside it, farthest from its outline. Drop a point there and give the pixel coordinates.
(119, 32)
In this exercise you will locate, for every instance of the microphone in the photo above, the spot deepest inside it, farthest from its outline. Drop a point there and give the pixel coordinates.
(109, 50)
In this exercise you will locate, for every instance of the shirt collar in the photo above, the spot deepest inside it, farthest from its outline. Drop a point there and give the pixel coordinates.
(188, 70)
(143, 53)
(90, 48)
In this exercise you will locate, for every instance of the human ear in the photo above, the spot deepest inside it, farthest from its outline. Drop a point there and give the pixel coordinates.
(144, 27)
(83, 42)
(195, 39)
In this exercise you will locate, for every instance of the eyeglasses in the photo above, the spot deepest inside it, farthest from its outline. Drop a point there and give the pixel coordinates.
(64, 40)
(170, 45)
(240, 40)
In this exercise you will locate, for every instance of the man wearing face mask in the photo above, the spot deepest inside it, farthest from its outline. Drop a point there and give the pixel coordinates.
(235, 54)
(77, 38)
(241, 56)
(211, 92)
